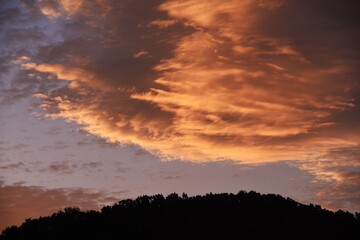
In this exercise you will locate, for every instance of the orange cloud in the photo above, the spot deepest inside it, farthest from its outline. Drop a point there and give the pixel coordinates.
(72, 74)
(250, 81)
(162, 23)
(140, 54)
(230, 90)
(70, 6)
(56, 9)
(241, 95)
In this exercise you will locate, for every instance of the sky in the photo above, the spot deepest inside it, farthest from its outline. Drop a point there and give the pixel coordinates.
(103, 100)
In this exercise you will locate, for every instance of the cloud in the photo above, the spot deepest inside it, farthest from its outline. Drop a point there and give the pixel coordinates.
(339, 171)
(19, 202)
(271, 4)
(250, 81)
(140, 54)
(23, 31)
(12, 166)
(222, 90)
(62, 168)
(55, 8)
(17, 147)
(8, 13)
(4, 65)
(92, 165)
(23, 35)
(58, 145)
(341, 194)
(71, 7)
(162, 23)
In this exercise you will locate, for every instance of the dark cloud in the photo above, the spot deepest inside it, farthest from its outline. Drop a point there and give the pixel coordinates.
(163, 175)
(58, 145)
(95, 141)
(16, 147)
(92, 165)
(12, 166)
(23, 35)
(8, 13)
(171, 177)
(22, 31)
(4, 64)
(67, 167)
(13, 95)
(31, 8)
(62, 168)
(54, 131)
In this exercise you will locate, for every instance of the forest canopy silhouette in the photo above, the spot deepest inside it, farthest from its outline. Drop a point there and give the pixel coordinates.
(245, 215)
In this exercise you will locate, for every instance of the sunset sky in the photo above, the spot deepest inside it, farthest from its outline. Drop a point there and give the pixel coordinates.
(102, 100)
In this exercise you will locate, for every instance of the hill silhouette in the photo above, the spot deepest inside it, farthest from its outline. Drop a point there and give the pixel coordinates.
(245, 215)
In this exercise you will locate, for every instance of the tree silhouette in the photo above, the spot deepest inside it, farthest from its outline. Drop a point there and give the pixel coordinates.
(246, 215)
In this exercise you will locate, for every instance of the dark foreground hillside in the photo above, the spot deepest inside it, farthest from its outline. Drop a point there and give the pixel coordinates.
(213, 216)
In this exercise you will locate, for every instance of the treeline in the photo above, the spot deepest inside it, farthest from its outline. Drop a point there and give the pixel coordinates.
(246, 215)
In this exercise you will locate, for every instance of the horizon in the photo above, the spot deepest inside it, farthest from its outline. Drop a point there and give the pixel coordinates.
(104, 100)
